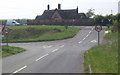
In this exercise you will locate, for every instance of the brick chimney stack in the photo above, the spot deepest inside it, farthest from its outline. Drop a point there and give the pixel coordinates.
(59, 6)
(77, 9)
(48, 7)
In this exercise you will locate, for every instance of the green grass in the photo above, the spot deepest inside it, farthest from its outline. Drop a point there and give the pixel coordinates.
(39, 33)
(104, 58)
(111, 35)
(108, 28)
(10, 50)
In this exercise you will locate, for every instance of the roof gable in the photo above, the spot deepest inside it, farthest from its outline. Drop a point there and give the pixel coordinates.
(56, 16)
(46, 14)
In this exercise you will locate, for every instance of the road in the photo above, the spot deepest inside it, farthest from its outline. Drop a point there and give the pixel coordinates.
(61, 56)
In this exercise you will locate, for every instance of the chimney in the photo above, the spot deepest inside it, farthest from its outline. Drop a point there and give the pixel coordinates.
(59, 6)
(77, 9)
(48, 7)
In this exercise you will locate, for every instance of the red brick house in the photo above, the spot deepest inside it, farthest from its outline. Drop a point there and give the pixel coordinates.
(59, 16)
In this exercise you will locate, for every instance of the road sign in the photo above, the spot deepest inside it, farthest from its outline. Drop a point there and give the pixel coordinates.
(109, 20)
(98, 28)
(6, 30)
(2, 27)
(102, 20)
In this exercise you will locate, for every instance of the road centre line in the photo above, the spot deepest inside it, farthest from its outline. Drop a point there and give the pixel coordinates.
(58, 48)
(55, 50)
(84, 38)
(47, 53)
(19, 69)
(86, 35)
(42, 57)
(80, 42)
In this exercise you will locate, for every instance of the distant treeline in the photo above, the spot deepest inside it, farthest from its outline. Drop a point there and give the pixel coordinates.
(108, 19)
(3, 21)
(21, 21)
(97, 19)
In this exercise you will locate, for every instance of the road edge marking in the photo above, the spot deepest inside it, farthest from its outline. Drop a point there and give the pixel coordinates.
(90, 68)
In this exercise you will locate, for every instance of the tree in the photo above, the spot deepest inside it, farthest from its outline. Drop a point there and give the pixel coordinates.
(90, 13)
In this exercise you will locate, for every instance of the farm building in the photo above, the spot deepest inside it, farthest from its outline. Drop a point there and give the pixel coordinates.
(59, 16)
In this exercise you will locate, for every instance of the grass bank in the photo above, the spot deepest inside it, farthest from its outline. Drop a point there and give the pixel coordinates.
(39, 33)
(104, 58)
(10, 50)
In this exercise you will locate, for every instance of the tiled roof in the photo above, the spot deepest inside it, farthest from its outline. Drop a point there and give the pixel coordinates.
(65, 14)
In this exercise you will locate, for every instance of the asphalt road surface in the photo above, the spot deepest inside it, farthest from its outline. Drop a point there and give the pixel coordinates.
(61, 56)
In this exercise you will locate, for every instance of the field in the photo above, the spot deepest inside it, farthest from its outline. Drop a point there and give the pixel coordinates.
(35, 33)
(104, 58)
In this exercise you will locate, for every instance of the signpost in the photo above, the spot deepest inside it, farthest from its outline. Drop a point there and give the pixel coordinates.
(66, 26)
(2, 27)
(108, 25)
(98, 28)
(6, 31)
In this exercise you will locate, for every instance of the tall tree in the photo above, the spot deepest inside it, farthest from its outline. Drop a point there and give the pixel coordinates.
(90, 13)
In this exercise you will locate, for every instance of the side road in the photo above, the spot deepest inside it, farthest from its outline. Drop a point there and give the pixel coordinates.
(62, 56)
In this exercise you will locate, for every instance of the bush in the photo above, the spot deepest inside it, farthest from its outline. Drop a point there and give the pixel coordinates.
(115, 26)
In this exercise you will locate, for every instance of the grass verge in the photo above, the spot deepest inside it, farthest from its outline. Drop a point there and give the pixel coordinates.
(104, 58)
(10, 50)
(39, 33)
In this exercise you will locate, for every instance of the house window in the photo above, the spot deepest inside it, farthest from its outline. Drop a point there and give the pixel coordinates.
(56, 16)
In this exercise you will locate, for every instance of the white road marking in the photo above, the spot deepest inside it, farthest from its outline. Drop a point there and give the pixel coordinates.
(20, 69)
(90, 68)
(42, 57)
(93, 28)
(47, 46)
(58, 48)
(94, 41)
(80, 42)
(62, 46)
(55, 50)
(86, 36)
(90, 31)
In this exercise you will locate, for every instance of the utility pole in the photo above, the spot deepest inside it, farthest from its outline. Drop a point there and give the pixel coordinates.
(111, 12)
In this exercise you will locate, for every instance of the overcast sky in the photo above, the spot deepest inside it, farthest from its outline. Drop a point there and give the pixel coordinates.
(18, 9)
